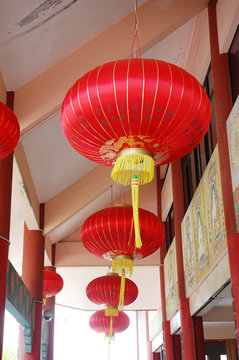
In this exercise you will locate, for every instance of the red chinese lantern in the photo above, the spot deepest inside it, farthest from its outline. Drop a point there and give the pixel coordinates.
(105, 324)
(109, 234)
(52, 283)
(106, 290)
(9, 131)
(134, 114)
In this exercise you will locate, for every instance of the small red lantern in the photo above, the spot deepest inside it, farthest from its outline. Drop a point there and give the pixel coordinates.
(134, 114)
(109, 234)
(9, 131)
(108, 325)
(52, 283)
(106, 290)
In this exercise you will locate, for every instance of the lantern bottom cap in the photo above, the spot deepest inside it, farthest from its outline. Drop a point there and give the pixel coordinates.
(111, 311)
(109, 337)
(122, 263)
(133, 161)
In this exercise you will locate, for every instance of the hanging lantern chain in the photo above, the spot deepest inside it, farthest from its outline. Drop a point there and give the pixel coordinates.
(136, 17)
(136, 27)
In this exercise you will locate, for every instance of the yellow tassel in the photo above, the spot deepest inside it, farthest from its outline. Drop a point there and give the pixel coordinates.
(111, 311)
(111, 327)
(135, 203)
(129, 164)
(122, 290)
(122, 262)
(44, 301)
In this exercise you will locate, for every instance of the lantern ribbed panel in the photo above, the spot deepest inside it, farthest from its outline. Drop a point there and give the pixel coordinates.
(106, 290)
(101, 323)
(52, 283)
(135, 103)
(110, 232)
(9, 131)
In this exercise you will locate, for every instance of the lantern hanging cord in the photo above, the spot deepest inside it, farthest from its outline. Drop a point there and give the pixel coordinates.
(136, 17)
(136, 27)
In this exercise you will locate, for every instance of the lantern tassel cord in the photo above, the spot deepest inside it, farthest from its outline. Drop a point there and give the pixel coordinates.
(109, 350)
(111, 327)
(135, 203)
(139, 164)
(118, 264)
(122, 291)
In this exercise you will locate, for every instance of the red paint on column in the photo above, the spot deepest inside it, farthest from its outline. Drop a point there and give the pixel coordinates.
(137, 333)
(156, 356)
(177, 347)
(5, 212)
(167, 337)
(149, 343)
(199, 337)
(223, 106)
(50, 304)
(32, 275)
(187, 331)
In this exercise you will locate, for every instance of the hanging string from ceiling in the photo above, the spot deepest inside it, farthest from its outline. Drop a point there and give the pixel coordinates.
(136, 39)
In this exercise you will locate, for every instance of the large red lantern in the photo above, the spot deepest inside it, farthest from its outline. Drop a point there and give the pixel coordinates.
(108, 325)
(9, 131)
(134, 114)
(137, 103)
(106, 290)
(52, 283)
(109, 234)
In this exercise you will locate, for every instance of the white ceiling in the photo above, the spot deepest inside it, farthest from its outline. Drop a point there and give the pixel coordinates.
(35, 35)
(54, 164)
(174, 48)
(76, 221)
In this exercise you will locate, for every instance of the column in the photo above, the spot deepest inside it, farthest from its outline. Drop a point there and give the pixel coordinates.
(5, 213)
(223, 106)
(137, 333)
(231, 349)
(177, 347)
(156, 356)
(50, 304)
(187, 331)
(6, 167)
(199, 337)
(32, 275)
(167, 337)
(149, 343)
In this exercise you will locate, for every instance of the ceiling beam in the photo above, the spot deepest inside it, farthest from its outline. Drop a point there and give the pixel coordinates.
(22, 175)
(219, 314)
(42, 96)
(198, 65)
(75, 197)
(75, 254)
(70, 231)
(65, 214)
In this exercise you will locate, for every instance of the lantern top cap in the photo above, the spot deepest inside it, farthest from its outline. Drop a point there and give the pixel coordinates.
(135, 151)
(112, 274)
(121, 205)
